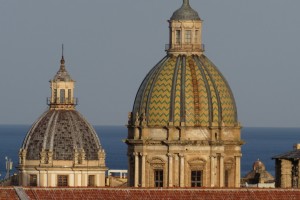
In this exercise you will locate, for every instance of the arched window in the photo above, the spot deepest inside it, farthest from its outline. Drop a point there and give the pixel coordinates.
(62, 180)
(55, 95)
(178, 36)
(69, 96)
(197, 36)
(158, 178)
(196, 178)
(188, 37)
(62, 96)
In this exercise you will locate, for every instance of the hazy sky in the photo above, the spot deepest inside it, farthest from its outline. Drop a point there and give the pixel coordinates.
(110, 45)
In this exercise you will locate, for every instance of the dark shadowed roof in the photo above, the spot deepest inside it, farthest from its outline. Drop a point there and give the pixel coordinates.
(291, 155)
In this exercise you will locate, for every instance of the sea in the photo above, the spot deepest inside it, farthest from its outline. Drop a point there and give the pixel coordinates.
(260, 143)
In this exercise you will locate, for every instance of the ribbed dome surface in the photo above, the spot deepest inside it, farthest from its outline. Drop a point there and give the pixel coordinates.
(185, 12)
(187, 89)
(61, 132)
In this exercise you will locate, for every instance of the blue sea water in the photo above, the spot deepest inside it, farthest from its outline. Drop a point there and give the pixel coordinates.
(260, 143)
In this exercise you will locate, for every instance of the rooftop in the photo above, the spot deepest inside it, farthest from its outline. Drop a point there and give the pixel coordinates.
(150, 193)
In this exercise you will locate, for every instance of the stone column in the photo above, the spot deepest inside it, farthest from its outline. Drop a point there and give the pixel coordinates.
(237, 171)
(181, 178)
(42, 179)
(221, 171)
(143, 173)
(170, 169)
(176, 171)
(136, 169)
(212, 171)
(71, 180)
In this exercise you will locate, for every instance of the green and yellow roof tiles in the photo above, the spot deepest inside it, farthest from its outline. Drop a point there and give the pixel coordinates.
(188, 89)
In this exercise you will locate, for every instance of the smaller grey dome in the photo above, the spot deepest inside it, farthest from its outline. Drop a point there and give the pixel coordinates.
(62, 132)
(185, 12)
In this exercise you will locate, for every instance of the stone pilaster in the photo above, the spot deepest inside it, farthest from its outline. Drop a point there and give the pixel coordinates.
(176, 170)
(170, 175)
(143, 173)
(50, 157)
(136, 169)
(181, 179)
(222, 171)
(212, 171)
(237, 171)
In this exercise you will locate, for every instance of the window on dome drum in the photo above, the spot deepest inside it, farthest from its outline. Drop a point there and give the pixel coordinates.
(62, 96)
(91, 182)
(158, 178)
(33, 180)
(226, 178)
(178, 36)
(62, 180)
(196, 36)
(69, 95)
(55, 95)
(196, 178)
(188, 36)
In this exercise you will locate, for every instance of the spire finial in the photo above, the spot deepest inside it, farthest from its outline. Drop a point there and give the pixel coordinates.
(62, 61)
(62, 50)
(186, 2)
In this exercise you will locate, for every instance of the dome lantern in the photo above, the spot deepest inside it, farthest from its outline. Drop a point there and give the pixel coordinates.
(62, 89)
(185, 31)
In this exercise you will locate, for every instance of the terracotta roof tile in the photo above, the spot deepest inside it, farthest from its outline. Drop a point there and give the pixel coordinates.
(8, 193)
(153, 194)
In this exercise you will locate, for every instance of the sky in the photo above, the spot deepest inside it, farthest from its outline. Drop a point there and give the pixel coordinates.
(110, 45)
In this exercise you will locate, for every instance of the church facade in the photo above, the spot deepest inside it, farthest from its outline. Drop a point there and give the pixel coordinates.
(183, 130)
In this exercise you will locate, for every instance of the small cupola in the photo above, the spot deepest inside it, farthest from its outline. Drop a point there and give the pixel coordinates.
(185, 12)
(185, 32)
(62, 89)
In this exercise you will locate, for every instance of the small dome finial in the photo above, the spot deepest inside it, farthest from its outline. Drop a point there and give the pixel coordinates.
(186, 2)
(62, 61)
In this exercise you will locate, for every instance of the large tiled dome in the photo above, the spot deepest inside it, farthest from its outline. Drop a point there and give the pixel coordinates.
(62, 132)
(187, 89)
(184, 119)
